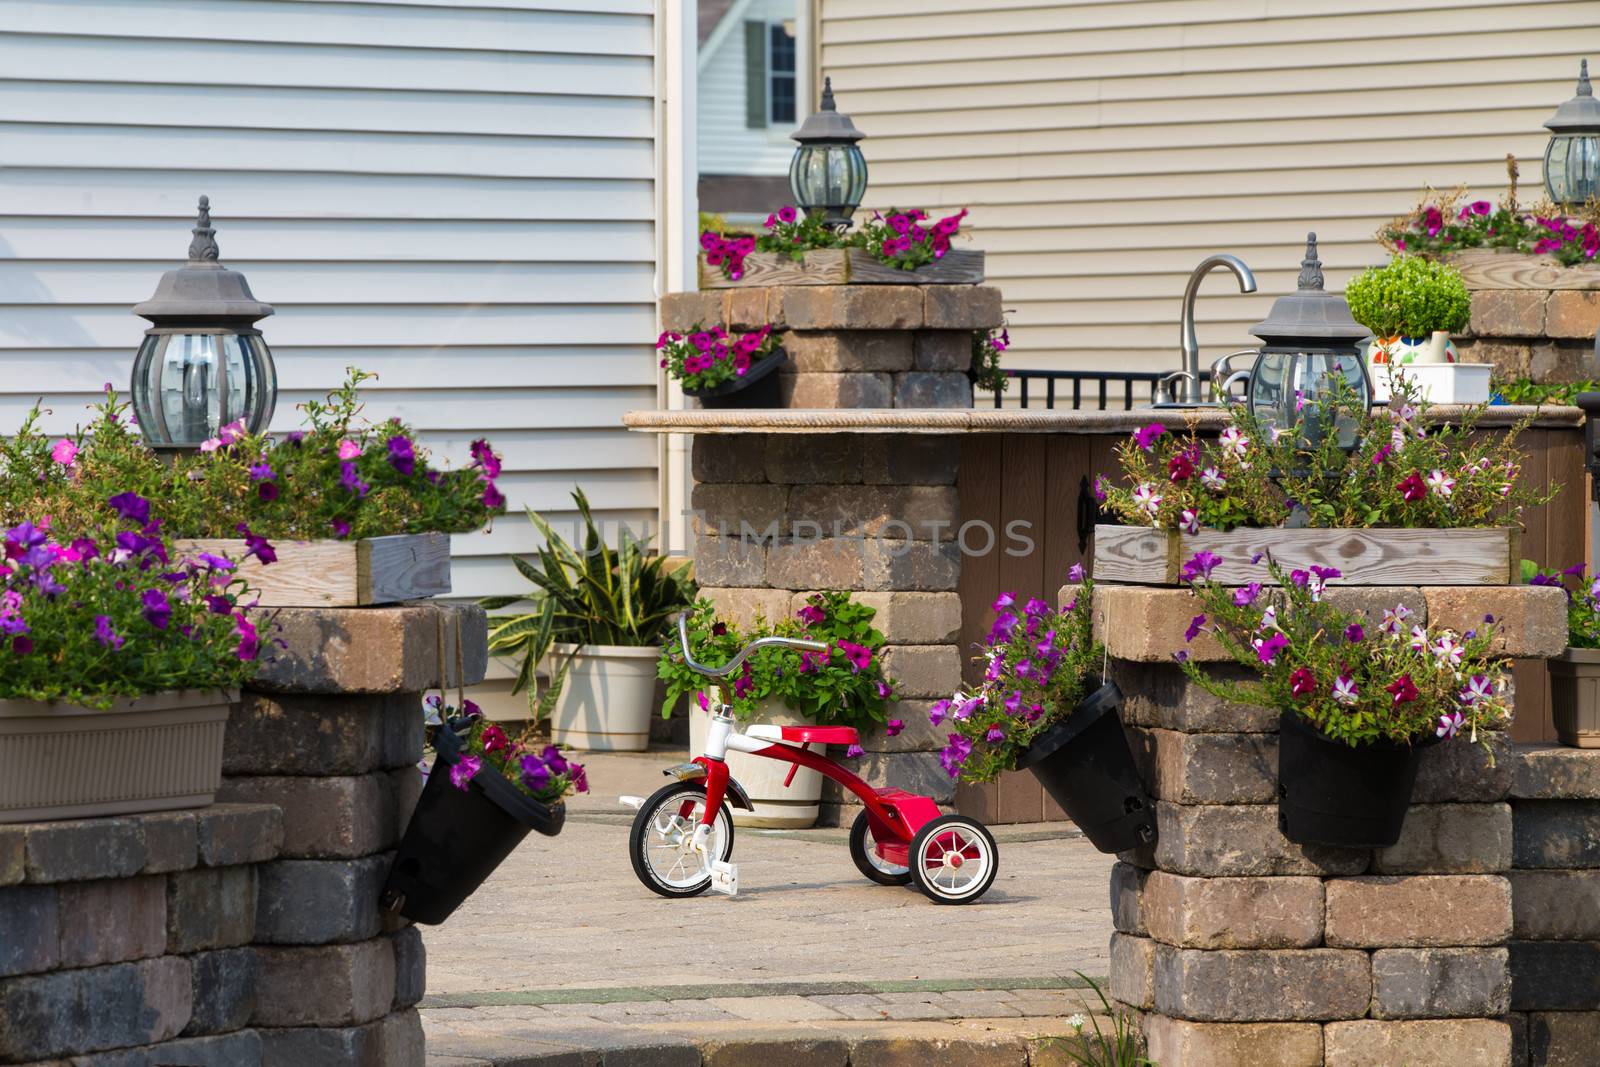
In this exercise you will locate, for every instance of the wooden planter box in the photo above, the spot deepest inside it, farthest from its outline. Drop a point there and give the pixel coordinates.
(341, 574)
(844, 266)
(156, 753)
(1141, 555)
(1487, 268)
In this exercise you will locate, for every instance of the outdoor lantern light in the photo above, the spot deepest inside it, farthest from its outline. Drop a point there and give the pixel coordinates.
(203, 363)
(828, 175)
(1311, 342)
(1572, 162)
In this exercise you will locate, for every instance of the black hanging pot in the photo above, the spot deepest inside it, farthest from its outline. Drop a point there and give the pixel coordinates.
(457, 837)
(1085, 764)
(758, 388)
(1332, 793)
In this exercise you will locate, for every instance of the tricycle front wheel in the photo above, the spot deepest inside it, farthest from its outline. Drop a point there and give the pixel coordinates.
(659, 844)
(954, 859)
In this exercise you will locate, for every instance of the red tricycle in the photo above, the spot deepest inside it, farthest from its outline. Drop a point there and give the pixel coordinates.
(683, 834)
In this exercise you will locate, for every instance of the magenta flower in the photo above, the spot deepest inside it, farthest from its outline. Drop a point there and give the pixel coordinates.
(349, 449)
(1403, 689)
(1344, 689)
(854, 752)
(465, 770)
(1432, 220)
(484, 458)
(937, 713)
(710, 242)
(259, 547)
(492, 497)
(955, 754)
(351, 480)
(1195, 625)
(787, 213)
(1302, 682)
(860, 656)
(994, 735)
(341, 529)
(1075, 573)
(894, 726)
(64, 452)
(249, 638)
(1412, 487)
(218, 604)
(1267, 648)
(1246, 595)
(157, 609)
(1200, 567)
(1449, 724)
(1355, 633)
(1145, 437)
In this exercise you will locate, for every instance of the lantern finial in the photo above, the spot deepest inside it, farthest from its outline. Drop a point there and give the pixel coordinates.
(1584, 88)
(204, 245)
(828, 104)
(1311, 266)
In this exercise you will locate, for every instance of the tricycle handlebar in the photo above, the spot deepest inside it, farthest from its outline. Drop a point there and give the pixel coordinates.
(744, 653)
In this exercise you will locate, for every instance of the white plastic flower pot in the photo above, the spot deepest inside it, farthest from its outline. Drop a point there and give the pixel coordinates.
(793, 807)
(609, 697)
(156, 753)
(1450, 383)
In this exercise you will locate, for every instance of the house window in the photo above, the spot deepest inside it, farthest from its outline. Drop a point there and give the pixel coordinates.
(780, 73)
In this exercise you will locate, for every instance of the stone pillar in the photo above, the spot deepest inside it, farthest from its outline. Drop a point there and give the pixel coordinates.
(331, 733)
(779, 516)
(130, 936)
(1531, 317)
(1239, 946)
(1555, 903)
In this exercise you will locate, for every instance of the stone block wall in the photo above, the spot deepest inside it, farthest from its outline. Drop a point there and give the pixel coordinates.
(126, 941)
(1240, 946)
(247, 934)
(856, 346)
(780, 516)
(1531, 318)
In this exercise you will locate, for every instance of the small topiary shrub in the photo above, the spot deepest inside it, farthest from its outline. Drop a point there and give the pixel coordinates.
(1410, 297)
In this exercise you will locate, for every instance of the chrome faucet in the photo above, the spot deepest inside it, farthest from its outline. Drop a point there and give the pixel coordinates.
(1193, 394)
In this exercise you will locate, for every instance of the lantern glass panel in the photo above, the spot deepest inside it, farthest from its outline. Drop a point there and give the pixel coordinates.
(1286, 385)
(187, 385)
(828, 178)
(1572, 168)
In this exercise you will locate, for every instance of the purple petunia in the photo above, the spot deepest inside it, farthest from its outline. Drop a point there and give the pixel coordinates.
(893, 727)
(131, 506)
(1145, 437)
(465, 770)
(105, 634)
(351, 480)
(402, 456)
(492, 497)
(259, 547)
(1200, 567)
(1355, 633)
(1195, 625)
(955, 754)
(157, 609)
(535, 773)
(811, 615)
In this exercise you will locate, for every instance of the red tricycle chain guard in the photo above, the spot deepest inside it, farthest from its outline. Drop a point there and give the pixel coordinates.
(894, 815)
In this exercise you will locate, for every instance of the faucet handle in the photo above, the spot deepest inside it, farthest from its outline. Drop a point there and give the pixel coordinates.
(1166, 387)
(1223, 375)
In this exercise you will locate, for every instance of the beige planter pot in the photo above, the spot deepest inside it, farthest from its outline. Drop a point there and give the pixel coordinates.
(795, 807)
(608, 700)
(1575, 697)
(156, 753)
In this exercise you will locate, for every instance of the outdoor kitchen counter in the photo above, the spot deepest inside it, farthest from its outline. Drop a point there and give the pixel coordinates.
(1008, 420)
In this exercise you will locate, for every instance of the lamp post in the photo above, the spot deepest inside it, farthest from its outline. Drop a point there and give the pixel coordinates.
(1310, 344)
(1572, 159)
(203, 363)
(828, 175)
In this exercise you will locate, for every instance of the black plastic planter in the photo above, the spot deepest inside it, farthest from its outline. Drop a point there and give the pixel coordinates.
(1086, 766)
(1331, 793)
(458, 837)
(757, 389)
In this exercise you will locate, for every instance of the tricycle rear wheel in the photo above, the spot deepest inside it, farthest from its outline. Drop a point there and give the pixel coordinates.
(867, 860)
(954, 859)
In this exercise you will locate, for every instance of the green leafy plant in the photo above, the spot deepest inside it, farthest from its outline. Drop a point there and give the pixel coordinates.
(1410, 297)
(1528, 391)
(1401, 684)
(1403, 470)
(114, 613)
(1120, 1045)
(1038, 664)
(844, 686)
(339, 478)
(588, 595)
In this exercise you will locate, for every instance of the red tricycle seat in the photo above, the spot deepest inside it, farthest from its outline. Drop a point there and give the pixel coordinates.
(815, 735)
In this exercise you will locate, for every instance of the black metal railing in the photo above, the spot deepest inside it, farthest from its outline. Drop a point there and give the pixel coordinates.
(1105, 388)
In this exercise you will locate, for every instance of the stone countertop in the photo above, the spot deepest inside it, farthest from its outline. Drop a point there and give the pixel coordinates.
(1006, 420)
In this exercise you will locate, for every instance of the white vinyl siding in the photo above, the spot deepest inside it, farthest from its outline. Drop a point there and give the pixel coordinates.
(1106, 147)
(458, 196)
(727, 144)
